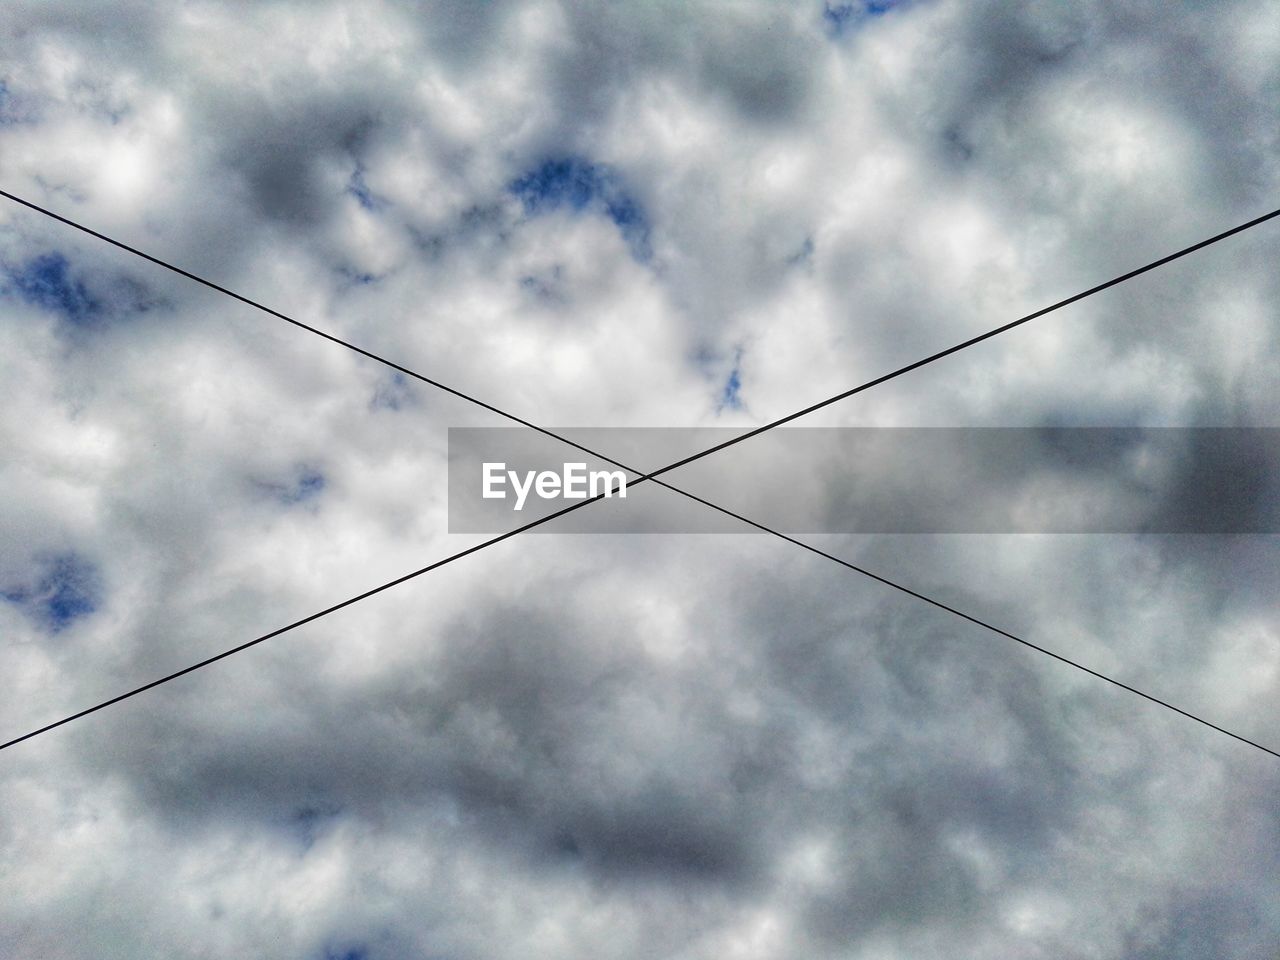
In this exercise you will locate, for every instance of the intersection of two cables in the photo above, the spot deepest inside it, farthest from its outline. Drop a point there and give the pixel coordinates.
(643, 477)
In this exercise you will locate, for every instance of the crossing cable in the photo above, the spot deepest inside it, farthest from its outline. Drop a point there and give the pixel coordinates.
(644, 477)
(892, 375)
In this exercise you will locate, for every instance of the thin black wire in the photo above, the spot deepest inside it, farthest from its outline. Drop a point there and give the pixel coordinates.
(975, 340)
(287, 319)
(643, 477)
(710, 450)
(960, 613)
(298, 623)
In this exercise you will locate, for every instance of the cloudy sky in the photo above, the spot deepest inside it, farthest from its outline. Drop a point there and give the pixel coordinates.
(615, 746)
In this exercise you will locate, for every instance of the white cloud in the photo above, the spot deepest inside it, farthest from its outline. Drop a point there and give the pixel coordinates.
(599, 745)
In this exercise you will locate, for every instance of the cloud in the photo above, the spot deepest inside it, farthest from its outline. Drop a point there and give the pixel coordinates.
(625, 215)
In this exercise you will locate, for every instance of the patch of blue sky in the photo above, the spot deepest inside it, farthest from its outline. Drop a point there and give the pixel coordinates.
(65, 587)
(345, 953)
(841, 16)
(731, 391)
(359, 189)
(577, 184)
(356, 278)
(547, 285)
(307, 484)
(47, 282)
(393, 392)
(804, 254)
(12, 108)
(310, 820)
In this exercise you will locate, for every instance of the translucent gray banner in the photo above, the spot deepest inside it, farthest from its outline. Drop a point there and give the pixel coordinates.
(875, 480)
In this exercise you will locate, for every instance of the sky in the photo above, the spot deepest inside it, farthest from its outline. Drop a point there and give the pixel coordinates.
(618, 746)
